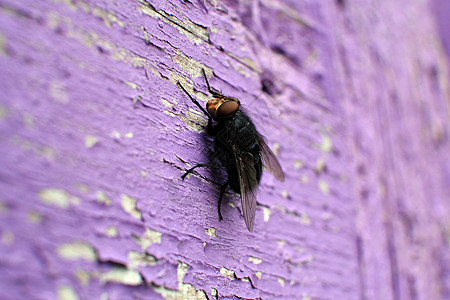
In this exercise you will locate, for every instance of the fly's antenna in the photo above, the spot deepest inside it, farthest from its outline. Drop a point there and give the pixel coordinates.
(213, 91)
(193, 100)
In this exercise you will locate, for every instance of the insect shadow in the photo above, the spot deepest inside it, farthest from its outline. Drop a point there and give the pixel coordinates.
(239, 148)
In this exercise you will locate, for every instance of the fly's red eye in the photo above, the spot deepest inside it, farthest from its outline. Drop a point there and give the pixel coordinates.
(227, 109)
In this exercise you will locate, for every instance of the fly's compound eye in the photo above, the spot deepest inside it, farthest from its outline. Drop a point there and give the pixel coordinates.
(220, 108)
(227, 109)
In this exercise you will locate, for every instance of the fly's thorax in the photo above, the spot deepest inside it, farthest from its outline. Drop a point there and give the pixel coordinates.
(222, 107)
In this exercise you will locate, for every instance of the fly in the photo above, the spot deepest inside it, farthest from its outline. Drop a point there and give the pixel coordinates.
(241, 150)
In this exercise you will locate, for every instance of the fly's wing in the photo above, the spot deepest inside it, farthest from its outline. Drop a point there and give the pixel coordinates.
(248, 184)
(270, 161)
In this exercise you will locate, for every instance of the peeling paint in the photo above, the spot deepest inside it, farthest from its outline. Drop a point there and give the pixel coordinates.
(227, 273)
(122, 276)
(210, 231)
(66, 292)
(281, 281)
(129, 205)
(111, 231)
(150, 237)
(258, 274)
(137, 259)
(103, 198)
(90, 141)
(58, 197)
(77, 250)
(254, 260)
(185, 290)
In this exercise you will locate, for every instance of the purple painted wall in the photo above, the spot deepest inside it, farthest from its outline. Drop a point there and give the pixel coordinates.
(353, 97)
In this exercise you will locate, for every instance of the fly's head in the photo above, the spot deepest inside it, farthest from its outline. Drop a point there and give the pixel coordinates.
(222, 107)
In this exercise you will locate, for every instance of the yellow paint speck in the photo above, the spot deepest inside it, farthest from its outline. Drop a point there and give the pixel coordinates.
(129, 205)
(210, 231)
(323, 186)
(254, 260)
(227, 273)
(57, 197)
(66, 292)
(90, 141)
(116, 134)
(143, 173)
(266, 212)
(77, 250)
(128, 135)
(214, 292)
(281, 281)
(258, 274)
(122, 276)
(285, 194)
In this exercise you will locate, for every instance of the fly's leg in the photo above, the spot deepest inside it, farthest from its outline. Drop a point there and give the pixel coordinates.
(195, 167)
(222, 191)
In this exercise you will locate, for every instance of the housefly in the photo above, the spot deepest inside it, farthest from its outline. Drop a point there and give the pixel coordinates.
(241, 150)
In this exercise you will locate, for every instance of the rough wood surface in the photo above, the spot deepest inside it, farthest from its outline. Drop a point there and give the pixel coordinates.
(353, 96)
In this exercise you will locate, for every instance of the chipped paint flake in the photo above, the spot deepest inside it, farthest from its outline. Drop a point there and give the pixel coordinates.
(210, 231)
(267, 212)
(77, 250)
(129, 135)
(254, 260)
(281, 281)
(276, 148)
(326, 145)
(320, 165)
(103, 198)
(111, 231)
(285, 194)
(150, 237)
(137, 259)
(323, 186)
(66, 292)
(58, 92)
(90, 141)
(129, 205)
(298, 164)
(227, 273)
(122, 276)
(258, 274)
(304, 219)
(185, 290)
(57, 197)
